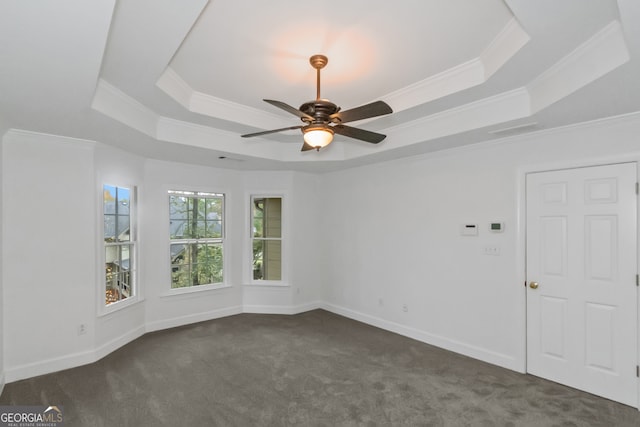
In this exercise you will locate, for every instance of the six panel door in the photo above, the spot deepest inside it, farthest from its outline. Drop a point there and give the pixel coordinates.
(581, 279)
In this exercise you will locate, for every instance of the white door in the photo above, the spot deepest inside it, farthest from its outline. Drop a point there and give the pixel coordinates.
(581, 279)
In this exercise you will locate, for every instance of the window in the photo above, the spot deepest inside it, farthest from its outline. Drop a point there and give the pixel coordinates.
(196, 228)
(266, 236)
(119, 243)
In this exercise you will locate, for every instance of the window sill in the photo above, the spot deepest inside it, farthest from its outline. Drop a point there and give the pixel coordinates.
(268, 284)
(194, 289)
(120, 305)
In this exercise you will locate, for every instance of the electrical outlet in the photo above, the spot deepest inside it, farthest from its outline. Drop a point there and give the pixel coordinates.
(82, 328)
(405, 308)
(380, 302)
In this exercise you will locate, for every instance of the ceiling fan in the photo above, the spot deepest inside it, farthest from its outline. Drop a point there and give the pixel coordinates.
(322, 118)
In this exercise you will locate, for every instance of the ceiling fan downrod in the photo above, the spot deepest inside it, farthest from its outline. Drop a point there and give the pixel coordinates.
(318, 62)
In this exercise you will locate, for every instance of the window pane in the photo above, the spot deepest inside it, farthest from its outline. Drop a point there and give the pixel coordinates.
(180, 277)
(196, 217)
(123, 228)
(179, 217)
(109, 228)
(119, 263)
(124, 200)
(111, 275)
(177, 207)
(258, 259)
(179, 254)
(109, 199)
(116, 209)
(267, 260)
(196, 264)
(118, 275)
(125, 258)
(213, 206)
(214, 229)
(272, 217)
(272, 260)
(207, 267)
(258, 217)
(267, 217)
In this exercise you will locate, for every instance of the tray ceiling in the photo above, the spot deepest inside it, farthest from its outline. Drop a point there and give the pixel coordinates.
(182, 80)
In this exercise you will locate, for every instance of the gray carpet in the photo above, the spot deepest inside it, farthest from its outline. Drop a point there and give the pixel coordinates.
(312, 369)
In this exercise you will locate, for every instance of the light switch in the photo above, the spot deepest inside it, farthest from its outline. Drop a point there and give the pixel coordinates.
(469, 229)
(492, 250)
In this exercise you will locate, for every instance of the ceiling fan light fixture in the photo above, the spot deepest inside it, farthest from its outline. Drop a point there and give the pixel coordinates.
(317, 115)
(318, 136)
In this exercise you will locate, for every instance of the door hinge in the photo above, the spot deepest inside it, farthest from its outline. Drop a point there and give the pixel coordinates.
(637, 187)
(637, 371)
(637, 279)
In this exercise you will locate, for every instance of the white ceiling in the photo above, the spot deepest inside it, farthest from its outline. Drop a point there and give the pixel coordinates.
(182, 80)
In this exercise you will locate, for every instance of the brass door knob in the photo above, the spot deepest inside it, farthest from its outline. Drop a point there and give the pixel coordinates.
(533, 285)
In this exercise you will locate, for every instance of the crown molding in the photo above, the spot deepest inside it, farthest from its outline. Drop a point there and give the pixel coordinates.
(460, 77)
(192, 134)
(21, 135)
(463, 76)
(198, 102)
(503, 47)
(507, 106)
(116, 104)
(601, 54)
(173, 85)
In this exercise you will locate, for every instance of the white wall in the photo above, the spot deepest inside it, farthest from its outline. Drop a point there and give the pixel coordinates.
(48, 251)
(52, 247)
(361, 242)
(165, 310)
(300, 243)
(392, 237)
(114, 329)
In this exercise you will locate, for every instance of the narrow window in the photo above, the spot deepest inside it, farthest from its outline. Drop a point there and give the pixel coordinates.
(196, 228)
(119, 243)
(266, 236)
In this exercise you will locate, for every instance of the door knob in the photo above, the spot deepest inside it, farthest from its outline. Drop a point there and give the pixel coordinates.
(533, 285)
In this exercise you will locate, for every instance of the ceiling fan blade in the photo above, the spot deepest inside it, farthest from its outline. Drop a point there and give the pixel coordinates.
(288, 108)
(265, 132)
(307, 147)
(378, 108)
(361, 134)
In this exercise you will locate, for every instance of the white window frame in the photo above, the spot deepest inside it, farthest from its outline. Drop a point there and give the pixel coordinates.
(133, 251)
(221, 240)
(283, 282)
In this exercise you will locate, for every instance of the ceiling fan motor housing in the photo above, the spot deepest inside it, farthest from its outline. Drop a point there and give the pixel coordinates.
(320, 110)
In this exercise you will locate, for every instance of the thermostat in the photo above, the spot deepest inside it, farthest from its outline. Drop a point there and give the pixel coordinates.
(496, 227)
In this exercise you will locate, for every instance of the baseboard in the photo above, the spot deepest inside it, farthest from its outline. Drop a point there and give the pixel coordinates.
(90, 356)
(475, 352)
(281, 309)
(48, 366)
(124, 339)
(159, 325)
